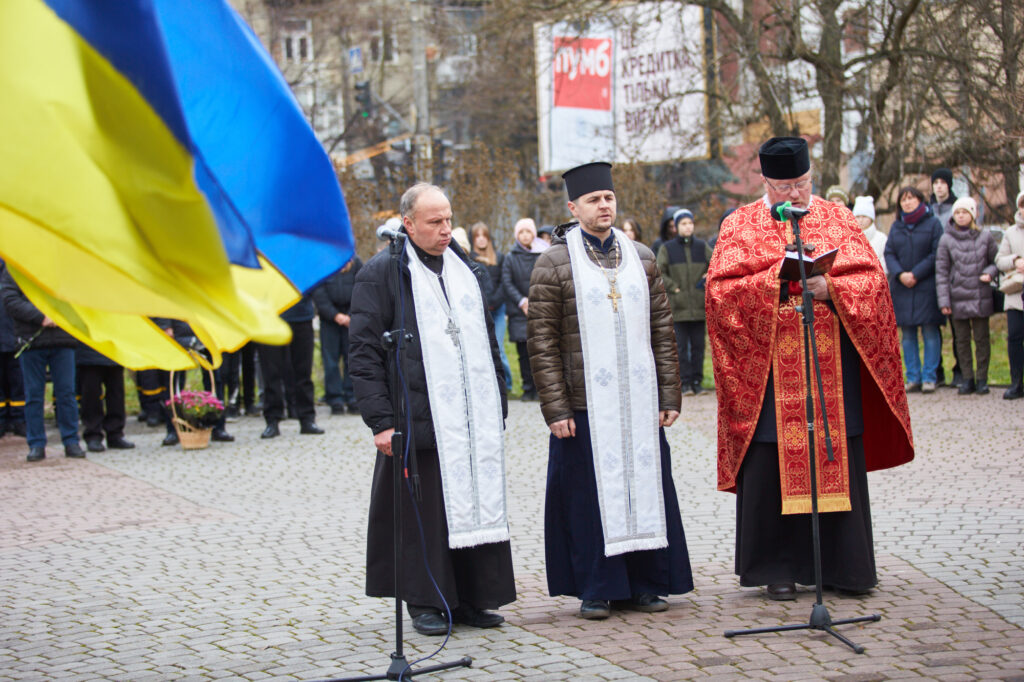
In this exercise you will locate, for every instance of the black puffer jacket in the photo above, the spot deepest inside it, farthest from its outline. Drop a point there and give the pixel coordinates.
(28, 319)
(373, 312)
(965, 255)
(334, 294)
(515, 279)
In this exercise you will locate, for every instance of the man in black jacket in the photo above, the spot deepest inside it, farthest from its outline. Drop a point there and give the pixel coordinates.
(47, 345)
(333, 298)
(454, 377)
(290, 368)
(12, 388)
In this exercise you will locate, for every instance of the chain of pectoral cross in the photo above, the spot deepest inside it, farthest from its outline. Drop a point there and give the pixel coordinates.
(613, 293)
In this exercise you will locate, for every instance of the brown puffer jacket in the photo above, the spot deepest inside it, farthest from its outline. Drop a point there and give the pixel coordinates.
(553, 334)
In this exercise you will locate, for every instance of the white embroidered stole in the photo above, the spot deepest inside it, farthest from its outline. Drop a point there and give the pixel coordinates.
(465, 401)
(622, 396)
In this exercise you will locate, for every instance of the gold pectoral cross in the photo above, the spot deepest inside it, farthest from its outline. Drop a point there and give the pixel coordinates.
(614, 296)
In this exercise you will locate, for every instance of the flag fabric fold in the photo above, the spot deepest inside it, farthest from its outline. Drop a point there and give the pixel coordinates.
(153, 163)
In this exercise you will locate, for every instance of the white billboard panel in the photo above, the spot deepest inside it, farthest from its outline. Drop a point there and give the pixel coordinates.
(628, 86)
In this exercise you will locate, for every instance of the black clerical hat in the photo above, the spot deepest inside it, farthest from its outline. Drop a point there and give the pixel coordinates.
(590, 177)
(783, 158)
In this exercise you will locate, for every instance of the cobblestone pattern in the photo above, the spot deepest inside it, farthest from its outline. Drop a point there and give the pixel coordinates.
(245, 561)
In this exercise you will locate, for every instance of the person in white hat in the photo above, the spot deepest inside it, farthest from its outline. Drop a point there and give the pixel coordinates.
(864, 212)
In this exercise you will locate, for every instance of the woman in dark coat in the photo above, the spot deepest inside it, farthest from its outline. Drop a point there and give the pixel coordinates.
(910, 259)
(515, 280)
(491, 260)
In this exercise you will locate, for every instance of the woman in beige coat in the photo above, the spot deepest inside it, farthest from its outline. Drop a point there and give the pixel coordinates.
(1010, 258)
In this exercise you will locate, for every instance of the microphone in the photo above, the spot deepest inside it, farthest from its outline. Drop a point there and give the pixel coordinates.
(785, 210)
(385, 233)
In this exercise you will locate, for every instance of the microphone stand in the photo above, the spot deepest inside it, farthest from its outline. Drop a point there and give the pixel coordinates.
(820, 618)
(394, 341)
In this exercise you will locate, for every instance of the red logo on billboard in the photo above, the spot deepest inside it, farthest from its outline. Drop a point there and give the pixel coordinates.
(583, 73)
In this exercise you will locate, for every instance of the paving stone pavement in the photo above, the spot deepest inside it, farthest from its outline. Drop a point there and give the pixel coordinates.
(245, 561)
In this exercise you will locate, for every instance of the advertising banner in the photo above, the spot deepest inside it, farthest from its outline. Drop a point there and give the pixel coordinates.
(627, 86)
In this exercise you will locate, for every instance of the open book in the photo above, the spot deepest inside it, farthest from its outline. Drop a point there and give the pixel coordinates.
(813, 265)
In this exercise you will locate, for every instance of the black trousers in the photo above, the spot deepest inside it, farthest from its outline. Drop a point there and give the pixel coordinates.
(690, 346)
(239, 372)
(1015, 344)
(12, 391)
(101, 403)
(289, 368)
(152, 385)
(524, 367)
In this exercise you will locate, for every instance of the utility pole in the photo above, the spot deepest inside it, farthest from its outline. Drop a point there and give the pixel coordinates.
(421, 93)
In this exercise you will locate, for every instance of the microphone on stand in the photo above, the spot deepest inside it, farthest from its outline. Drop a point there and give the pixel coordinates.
(785, 210)
(391, 230)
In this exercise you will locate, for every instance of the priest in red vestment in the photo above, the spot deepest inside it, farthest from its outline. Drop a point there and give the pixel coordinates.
(756, 338)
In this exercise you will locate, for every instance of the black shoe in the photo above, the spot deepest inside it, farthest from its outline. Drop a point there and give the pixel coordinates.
(222, 436)
(966, 387)
(853, 592)
(697, 388)
(17, 428)
(338, 409)
(154, 420)
(782, 592)
(647, 603)
(310, 428)
(232, 412)
(958, 378)
(912, 387)
(1014, 391)
(477, 618)
(982, 388)
(595, 609)
(94, 446)
(170, 439)
(119, 443)
(74, 451)
(141, 416)
(36, 454)
(431, 623)
(254, 411)
(271, 431)
(352, 408)
(528, 396)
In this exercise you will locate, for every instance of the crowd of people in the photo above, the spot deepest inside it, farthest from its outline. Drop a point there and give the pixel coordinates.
(89, 398)
(610, 335)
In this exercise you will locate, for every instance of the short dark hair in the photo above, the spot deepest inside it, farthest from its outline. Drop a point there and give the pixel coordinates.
(910, 190)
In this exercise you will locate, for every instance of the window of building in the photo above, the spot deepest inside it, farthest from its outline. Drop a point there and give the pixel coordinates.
(383, 47)
(297, 40)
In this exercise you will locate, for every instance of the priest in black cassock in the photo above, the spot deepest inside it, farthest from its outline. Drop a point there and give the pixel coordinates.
(603, 353)
(456, 405)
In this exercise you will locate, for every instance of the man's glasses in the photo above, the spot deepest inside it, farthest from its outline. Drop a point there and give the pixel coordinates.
(789, 187)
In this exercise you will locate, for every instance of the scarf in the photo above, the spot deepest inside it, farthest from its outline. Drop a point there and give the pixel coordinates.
(915, 216)
(465, 402)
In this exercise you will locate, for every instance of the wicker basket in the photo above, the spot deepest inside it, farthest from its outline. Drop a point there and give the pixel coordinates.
(190, 437)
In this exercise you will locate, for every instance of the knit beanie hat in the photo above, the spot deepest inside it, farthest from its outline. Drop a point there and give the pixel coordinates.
(943, 174)
(1020, 199)
(968, 204)
(864, 206)
(682, 213)
(526, 224)
(837, 192)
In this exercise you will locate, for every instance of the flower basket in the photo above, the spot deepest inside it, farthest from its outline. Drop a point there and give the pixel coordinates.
(194, 414)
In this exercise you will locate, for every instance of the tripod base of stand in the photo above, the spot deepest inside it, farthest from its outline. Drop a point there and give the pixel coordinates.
(399, 668)
(820, 620)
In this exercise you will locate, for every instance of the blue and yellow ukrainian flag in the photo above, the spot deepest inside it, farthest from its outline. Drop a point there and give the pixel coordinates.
(154, 163)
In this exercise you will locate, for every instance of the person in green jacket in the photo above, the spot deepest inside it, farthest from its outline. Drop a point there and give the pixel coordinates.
(683, 262)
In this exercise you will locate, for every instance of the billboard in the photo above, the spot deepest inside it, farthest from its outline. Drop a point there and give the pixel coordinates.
(626, 86)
